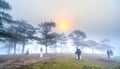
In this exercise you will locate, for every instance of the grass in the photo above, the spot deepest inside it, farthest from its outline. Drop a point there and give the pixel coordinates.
(69, 62)
(63, 61)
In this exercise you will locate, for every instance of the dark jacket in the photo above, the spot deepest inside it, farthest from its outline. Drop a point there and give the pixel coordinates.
(78, 52)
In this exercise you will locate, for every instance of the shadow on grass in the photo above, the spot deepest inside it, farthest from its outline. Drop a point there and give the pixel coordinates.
(108, 60)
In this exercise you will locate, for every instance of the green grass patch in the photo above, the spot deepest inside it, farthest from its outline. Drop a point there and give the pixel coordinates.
(69, 62)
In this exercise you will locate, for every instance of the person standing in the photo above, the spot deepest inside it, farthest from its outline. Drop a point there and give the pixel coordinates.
(41, 52)
(78, 53)
(76, 56)
(109, 53)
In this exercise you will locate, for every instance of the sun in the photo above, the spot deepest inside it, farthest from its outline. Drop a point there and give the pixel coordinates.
(62, 26)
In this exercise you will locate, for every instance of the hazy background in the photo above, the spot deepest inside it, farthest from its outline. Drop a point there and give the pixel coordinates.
(98, 18)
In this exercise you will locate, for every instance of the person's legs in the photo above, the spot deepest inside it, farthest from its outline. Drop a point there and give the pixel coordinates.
(76, 56)
(80, 57)
(41, 54)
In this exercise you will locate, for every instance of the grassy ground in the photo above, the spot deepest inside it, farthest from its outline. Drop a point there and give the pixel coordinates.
(67, 61)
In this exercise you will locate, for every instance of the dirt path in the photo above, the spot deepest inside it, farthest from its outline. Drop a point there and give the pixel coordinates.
(10, 61)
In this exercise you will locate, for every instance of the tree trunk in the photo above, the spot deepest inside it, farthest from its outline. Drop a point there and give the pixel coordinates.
(61, 46)
(15, 47)
(23, 48)
(61, 50)
(9, 48)
(46, 49)
(46, 45)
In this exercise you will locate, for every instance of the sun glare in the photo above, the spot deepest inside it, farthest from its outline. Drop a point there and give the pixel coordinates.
(63, 26)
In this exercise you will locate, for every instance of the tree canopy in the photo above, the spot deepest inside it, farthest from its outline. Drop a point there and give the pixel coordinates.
(77, 37)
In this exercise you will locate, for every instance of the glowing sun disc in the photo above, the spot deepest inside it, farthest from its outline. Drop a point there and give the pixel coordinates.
(63, 26)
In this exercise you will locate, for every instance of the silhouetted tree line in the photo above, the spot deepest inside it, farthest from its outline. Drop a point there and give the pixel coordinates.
(21, 32)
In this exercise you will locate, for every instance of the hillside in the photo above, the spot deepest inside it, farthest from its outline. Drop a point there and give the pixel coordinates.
(58, 61)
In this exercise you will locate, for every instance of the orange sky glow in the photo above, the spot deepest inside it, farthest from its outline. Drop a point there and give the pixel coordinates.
(63, 25)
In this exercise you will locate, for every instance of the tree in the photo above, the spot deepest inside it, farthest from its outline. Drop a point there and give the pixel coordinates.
(62, 40)
(26, 32)
(53, 40)
(9, 45)
(14, 31)
(45, 29)
(4, 5)
(4, 17)
(21, 32)
(91, 44)
(77, 37)
(104, 45)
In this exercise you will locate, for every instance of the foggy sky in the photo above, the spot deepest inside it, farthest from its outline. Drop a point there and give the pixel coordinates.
(98, 18)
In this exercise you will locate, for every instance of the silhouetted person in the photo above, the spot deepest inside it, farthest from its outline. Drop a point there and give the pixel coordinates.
(78, 53)
(109, 53)
(41, 52)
